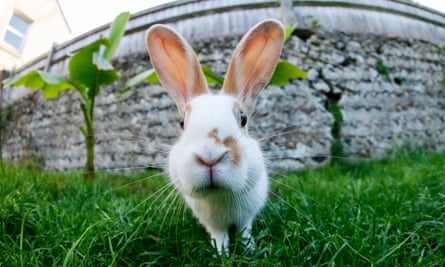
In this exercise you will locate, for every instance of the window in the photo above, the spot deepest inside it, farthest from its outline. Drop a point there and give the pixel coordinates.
(16, 31)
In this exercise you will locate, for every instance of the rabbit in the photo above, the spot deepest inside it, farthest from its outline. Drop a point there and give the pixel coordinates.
(218, 169)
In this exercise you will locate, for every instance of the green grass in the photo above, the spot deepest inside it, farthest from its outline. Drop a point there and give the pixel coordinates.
(389, 212)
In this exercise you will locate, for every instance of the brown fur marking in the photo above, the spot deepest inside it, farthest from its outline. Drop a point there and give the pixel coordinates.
(235, 150)
(188, 108)
(214, 135)
(229, 142)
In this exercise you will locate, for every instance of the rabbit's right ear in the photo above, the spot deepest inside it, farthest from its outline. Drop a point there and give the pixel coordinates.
(253, 62)
(176, 64)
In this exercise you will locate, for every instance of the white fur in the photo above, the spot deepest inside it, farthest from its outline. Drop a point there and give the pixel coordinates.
(243, 187)
(215, 165)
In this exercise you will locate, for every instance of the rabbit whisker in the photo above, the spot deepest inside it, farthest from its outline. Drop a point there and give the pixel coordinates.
(178, 205)
(278, 133)
(293, 207)
(158, 193)
(285, 185)
(128, 169)
(172, 194)
(134, 182)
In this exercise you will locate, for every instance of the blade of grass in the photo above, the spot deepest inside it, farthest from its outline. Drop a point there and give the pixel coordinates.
(70, 252)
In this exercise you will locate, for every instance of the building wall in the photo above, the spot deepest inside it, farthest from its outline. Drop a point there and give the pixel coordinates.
(48, 26)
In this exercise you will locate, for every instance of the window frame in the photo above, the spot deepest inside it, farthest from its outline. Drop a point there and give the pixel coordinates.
(16, 32)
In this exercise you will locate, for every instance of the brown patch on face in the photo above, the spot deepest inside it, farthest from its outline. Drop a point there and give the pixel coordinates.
(235, 150)
(188, 108)
(214, 135)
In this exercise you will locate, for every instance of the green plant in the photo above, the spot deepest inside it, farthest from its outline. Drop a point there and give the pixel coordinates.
(315, 24)
(89, 69)
(332, 105)
(311, 22)
(381, 67)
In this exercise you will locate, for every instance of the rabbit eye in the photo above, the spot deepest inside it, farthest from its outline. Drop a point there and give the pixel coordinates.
(243, 119)
(181, 123)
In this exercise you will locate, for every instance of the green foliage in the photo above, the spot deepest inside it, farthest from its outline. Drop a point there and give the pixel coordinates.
(309, 21)
(148, 76)
(381, 68)
(211, 77)
(337, 146)
(286, 71)
(117, 30)
(315, 24)
(89, 69)
(388, 212)
(289, 30)
(50, 84)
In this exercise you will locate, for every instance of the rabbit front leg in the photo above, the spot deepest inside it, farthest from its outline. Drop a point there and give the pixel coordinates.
(220, 239)
(246, 237)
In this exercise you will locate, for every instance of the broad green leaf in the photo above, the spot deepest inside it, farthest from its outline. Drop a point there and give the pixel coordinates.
(50, 84)
(286, 71)
(89, 68)
(117, 30)
(211, 77)
(146, 76)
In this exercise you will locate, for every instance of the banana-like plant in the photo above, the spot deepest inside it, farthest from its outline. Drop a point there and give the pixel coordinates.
(89, 69)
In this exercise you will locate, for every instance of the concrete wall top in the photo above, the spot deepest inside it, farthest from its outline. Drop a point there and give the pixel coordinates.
(206, 20)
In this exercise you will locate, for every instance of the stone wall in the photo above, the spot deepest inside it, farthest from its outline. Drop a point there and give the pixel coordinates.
(405, 107)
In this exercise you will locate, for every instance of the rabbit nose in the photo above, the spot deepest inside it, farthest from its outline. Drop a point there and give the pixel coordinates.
(210, 161)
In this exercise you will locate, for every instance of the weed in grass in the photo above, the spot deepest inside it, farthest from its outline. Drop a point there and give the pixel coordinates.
(385, 212)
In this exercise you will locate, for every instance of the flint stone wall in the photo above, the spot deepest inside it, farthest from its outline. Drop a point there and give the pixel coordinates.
(380, 112)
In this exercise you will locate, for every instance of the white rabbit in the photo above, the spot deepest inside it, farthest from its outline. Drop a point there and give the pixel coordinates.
(216, 166)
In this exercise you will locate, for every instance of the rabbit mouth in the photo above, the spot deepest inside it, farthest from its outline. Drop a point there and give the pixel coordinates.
(211, 184)
(212, 181)
(213, 188)
(209, 190)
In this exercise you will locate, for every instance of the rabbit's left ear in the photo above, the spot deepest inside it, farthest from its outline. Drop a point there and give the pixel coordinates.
(176, 64)
(253, 62)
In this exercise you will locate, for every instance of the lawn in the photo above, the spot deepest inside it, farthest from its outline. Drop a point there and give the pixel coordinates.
(388, 212)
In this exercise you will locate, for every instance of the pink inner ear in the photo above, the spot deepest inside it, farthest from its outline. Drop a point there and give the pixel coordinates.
(170, 61)
(254, 61)
(176, 64)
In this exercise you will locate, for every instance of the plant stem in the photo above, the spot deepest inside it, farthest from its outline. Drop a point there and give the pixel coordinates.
(90, 139)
